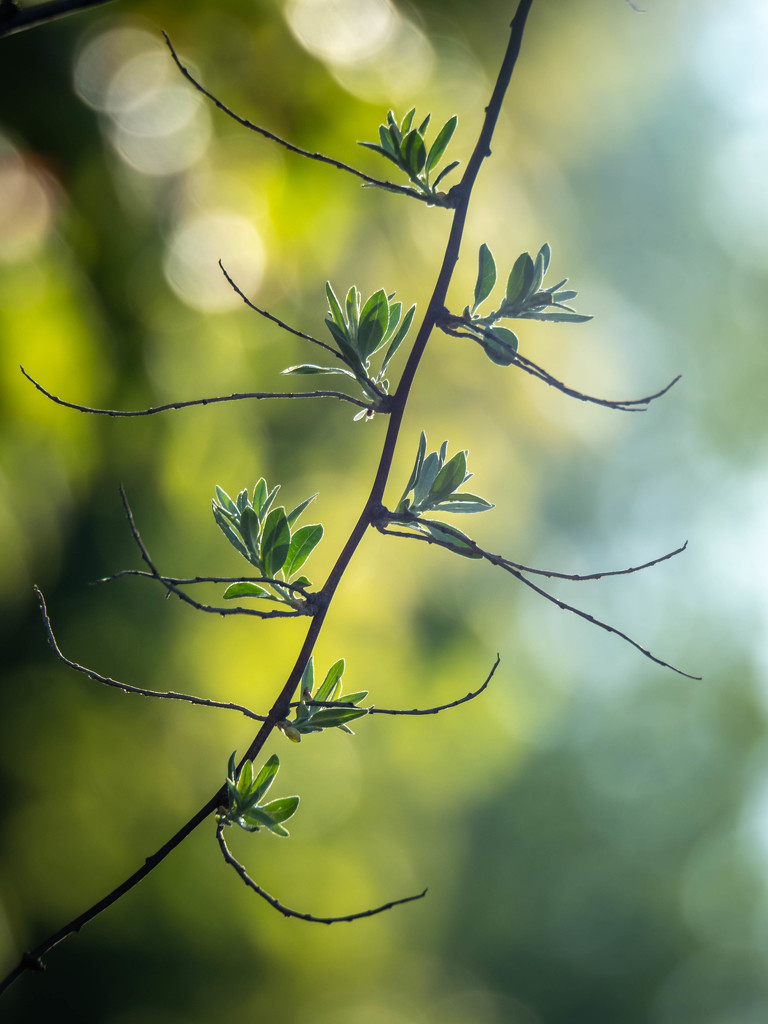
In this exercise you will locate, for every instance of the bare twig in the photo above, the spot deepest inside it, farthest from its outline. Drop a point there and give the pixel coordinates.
(16, 19)
(439, 199)
(200, 579)
(528, 366)
(286, 911)
(413, 711)
(173, 589)
(518, 573)
(236, 397)
(275, 320)
(126, 687)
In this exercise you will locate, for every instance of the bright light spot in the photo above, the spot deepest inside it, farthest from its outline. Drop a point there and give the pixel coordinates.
(372, 51)
(731, 58)
(342, 31)
(156, 123)
(399, 70)
(25, 206)
(191, 262)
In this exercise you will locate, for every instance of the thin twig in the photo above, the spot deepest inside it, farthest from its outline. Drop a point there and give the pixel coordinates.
(200, 579)
(16, 19)
(518, 574)
(528, 366)
(286, 911)
(173, 589)
(439, 199)
(235, 397)
(275, 320)
(414, 711)
(126, 687)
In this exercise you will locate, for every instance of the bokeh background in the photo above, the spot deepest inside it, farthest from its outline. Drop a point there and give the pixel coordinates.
(593, 829)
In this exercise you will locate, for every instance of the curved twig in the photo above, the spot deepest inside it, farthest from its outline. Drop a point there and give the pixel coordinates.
(528, 366)
(439, 199)
(286, 911)
(414, 711)
(173, 589)
(275, 320)
(235, 397)
(510, 567)
(200, 579)
(126, 687)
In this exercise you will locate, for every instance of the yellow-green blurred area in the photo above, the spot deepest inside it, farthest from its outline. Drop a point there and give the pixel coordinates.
(593, 829)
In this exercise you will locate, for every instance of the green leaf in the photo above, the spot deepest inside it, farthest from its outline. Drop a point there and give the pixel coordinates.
(229, 533)
(250, 528)
(545, 253)
(381, 151)
(282, 809)
(395, 309)
(294, 514)
(267, 503)
(451, 476)
(245, 590)
(242, 500)
(424, 124)
(446, 170)
(429, 470)
(538, 273)
(232, 766)
(419, 460)
(405, 124)
(374, 319)
(275, 542)
(279, 830)
(265, 778)
(307, 677)
(464, 502)
(413, 153)
(303, 543)
(500, 346)
(398, 338)
(389, 147)
(354, 698)
(561, 318)
(329, 718)
(245, 781)
(486, 275)
(440, 144)
(520, 278)
(452, 538)
(331, 681)
(309, 368)
(334, 307)
(259, 494)
(225, 501)
(395, 132)
(353, 310)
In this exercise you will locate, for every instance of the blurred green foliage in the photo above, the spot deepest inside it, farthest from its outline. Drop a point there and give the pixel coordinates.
(593, 831)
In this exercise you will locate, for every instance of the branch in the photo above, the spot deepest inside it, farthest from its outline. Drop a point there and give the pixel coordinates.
(16, 19)
(236, 397)
(441, 199)
(173, 589)
(528, 366)
(275, 320)
(414, 711)
(126, 687)
(201, 579)
(511, 567)
(286, 911)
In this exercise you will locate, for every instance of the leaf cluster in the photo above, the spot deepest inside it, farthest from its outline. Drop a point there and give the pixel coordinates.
(359, 331)
(433, 487)
(525, 298)
(310, 717)
(405, 146)
(246, 790)
(265, 537)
